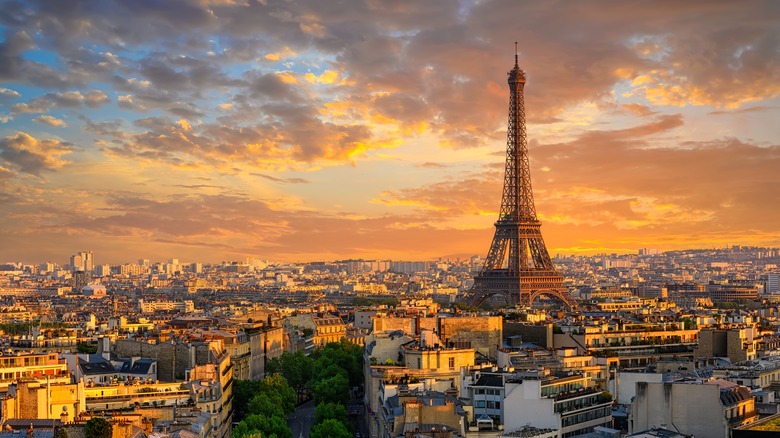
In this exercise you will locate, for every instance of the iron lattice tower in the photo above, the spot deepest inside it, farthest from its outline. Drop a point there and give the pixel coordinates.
(518, 266)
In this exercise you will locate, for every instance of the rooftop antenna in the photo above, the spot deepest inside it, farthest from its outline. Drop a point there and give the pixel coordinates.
(516, 54)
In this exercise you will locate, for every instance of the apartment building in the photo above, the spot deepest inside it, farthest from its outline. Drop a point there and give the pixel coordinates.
(568, 403)
(36, 366)
(707, 409)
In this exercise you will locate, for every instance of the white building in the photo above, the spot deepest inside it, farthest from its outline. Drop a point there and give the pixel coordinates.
(699, 409)
(568, 404)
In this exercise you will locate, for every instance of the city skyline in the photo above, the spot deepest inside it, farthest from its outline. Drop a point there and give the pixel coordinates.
(298, 131)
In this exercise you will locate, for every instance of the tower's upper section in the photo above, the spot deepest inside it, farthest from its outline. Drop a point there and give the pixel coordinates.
(517, 203)
(516, 75)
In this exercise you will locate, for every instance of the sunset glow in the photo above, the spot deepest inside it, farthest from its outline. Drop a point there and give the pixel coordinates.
(313, 130)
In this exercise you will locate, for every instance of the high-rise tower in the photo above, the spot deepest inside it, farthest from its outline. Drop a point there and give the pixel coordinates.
(518, 266)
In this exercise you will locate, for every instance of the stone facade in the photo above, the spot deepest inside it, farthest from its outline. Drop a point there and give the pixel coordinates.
(735, 343)
(482, 333)
(541, 335)
(34, 400)
(172, 359)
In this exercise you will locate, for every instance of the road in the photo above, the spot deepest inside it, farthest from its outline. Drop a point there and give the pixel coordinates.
(301, 420)
(358, 416)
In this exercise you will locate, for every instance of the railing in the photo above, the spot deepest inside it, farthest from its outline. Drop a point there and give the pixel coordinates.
(575, 393)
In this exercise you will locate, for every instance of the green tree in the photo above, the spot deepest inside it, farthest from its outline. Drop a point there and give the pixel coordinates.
(345, 355)
(331, 411)
(266, 404)
(266, 426)
(243, 392)
(84, 348)
(297, 368)
(330, 429)
(688, 323)
(278, 389)
(331, 370)
(334, 389)
(98, 428)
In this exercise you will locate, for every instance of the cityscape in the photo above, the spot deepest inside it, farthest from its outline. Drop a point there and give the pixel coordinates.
(273, 219)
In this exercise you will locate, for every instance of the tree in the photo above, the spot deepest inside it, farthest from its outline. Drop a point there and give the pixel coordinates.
(297, 368)
(266, 426)
(344, 354)
(330, 429)
(266, 404)
(243, 392)
(334, 389)
(278, 389)
(84, 348)
(98, 428)
(330, 411)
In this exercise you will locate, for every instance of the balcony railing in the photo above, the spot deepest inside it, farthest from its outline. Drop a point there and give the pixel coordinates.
(575, 393)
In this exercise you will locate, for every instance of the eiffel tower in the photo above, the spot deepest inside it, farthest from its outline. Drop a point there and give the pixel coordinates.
(518, 266)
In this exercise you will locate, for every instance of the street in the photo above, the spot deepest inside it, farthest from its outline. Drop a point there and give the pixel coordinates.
(301, 420)
(357, 415)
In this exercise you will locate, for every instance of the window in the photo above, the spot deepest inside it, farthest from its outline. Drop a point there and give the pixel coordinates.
(480, 391)
(452, 362)
(479, 404)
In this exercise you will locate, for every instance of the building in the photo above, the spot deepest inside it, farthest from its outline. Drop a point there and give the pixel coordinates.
(482, 333)
(773, 283)
(94, 291)
(419, 411)
(185, 306)
(635, 345)
(431, 354)
(738, 344)
(44, 400)
(327, 329)
(567, 403)
(709, 409)
(719, 293)
(42, 367)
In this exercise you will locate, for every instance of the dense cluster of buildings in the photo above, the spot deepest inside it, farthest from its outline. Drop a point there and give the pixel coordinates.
(661, 344)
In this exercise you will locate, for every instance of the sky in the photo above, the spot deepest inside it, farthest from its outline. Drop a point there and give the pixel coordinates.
(211, 130)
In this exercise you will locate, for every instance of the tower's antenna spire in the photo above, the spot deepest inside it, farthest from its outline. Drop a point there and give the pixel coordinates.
(516, 54)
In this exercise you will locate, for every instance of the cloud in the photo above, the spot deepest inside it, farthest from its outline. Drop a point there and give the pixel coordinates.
(283, 180)
(51, 121)
(65, 100)
(31, 155)
(262, 88)
(431, 165)
(751, 109)
(7, 95)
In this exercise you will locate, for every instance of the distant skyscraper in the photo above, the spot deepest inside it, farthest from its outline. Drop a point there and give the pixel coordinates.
(76, 263)
(773, 283)
(83, 261)
(88, 261)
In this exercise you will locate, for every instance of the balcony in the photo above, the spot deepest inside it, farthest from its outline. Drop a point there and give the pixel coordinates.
(575, 393)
